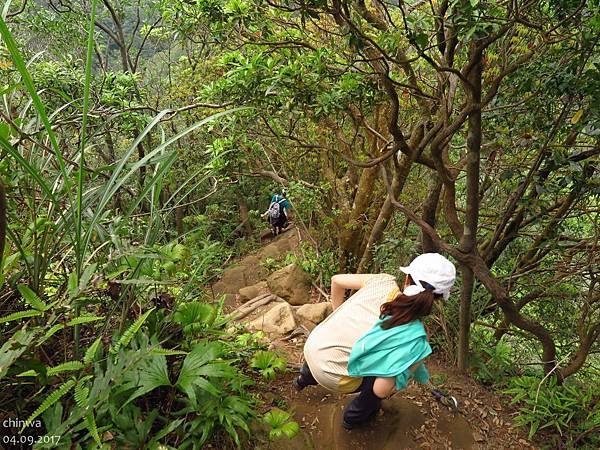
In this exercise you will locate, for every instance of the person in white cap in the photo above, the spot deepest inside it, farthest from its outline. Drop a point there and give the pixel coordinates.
(375, 342)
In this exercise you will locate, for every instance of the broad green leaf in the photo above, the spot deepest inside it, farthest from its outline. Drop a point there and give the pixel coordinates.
(151, 373)
(201, 363)
(51, 332)
(13, 348)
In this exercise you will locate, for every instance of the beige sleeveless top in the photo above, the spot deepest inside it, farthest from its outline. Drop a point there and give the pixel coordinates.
(328, 346)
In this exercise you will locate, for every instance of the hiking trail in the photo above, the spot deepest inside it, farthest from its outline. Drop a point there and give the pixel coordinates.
(286, 306)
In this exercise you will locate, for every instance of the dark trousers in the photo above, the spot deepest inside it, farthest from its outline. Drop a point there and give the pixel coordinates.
(361, 409)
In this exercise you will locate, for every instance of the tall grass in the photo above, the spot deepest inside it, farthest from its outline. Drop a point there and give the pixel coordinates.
(69, 205)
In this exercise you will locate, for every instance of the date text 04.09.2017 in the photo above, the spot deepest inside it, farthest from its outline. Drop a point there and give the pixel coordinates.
(46, 439)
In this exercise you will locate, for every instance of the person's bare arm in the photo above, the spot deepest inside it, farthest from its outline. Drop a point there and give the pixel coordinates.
(343, 281)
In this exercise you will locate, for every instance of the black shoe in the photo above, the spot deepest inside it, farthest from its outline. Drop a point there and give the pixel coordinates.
(297, 385)
(350, 426)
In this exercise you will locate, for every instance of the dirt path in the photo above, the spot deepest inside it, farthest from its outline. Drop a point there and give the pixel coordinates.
(410, 419)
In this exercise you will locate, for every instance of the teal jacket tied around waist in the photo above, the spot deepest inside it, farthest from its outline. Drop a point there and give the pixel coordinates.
(390, 353)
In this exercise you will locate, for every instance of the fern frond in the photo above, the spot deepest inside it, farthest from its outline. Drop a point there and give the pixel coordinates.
(82, 391)
(90, 353)
(167, 351)
(83, 319)
(32, 298)
(92, 427)
(130, 332)
(20, 315)
(49, 401)
(69, 366)
(28, 373)
(51, 332)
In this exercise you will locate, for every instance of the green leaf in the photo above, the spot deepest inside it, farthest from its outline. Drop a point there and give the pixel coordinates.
(13, 348)
(280, 424)
(31, 297)
(4, 130)
(49, 401)
(195, 316)
(92, 427)
(198, 365)
(20, 315)
(72, 285)
(69, 366)
(171, 426)
(84, 319)
(82, 392)
(51, 332)
(90, 353)
(267, 362)
(151, 373)
(86, 277)
(290, 429)
(130, 332)
(17, 60)
(167, 352)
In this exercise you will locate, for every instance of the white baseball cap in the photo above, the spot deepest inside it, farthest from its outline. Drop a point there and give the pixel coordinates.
(433, 269)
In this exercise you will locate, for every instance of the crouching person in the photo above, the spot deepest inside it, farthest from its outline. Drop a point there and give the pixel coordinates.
(374, 342)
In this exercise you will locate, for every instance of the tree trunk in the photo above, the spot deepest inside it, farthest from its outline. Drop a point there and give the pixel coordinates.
(385, 214)
(352, 231)
(468, 242)
(429, 213)
(244, 216)
(464, 318)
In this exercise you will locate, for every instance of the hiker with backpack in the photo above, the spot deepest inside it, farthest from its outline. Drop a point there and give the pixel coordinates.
(375, 342)
(277, 213)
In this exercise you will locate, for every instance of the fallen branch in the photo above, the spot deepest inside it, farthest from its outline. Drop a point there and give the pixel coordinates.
(251, 302)
(257, 304)
(321, 291)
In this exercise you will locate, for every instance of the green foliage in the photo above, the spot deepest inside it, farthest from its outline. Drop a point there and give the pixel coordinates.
(320, 265)
(130, 332)
(69, 366)
(51, 400)
(30, 297)
(201, 364)
(20, 315)
(195, 317)
(148, 375)
(493, 364)
(280, 424)
(569, 409)
(268, 362)
(272, 264)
